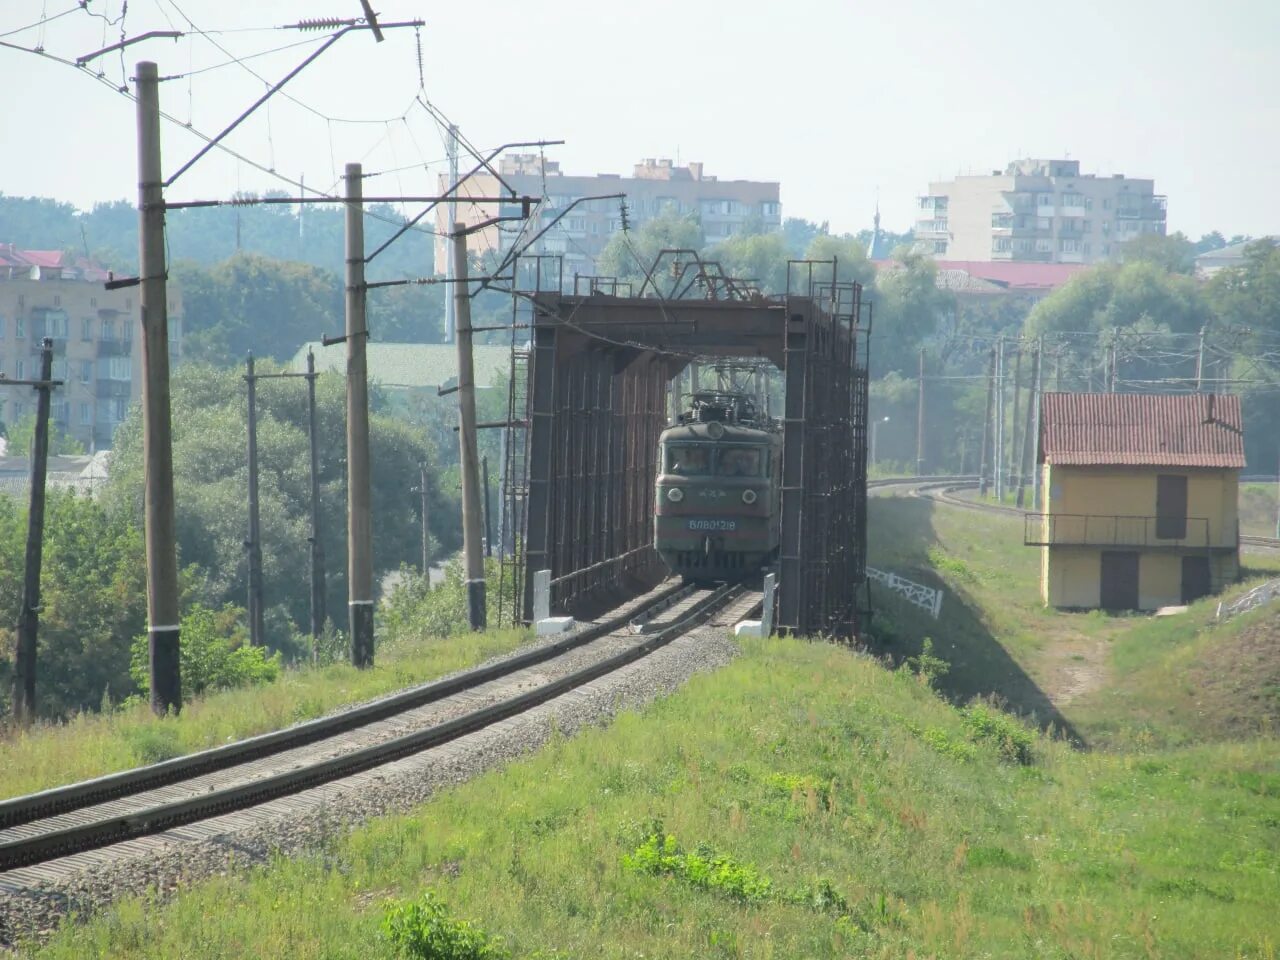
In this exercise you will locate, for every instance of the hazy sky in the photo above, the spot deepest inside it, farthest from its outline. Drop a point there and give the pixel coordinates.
(839, 101)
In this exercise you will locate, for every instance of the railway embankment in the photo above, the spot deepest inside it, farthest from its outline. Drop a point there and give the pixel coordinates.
(1108, 681)
(800, 801)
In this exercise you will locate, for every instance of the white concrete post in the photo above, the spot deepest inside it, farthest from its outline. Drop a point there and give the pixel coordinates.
(766, 608)
(541, 595)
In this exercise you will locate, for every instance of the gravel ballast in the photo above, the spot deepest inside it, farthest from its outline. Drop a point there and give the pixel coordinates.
(306, 821)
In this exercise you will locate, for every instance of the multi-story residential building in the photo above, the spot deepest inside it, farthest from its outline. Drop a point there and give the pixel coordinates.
(724, 207)
(46, 293)
(1037, 210)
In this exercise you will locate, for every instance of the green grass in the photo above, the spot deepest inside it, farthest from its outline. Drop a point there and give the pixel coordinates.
(802, 802)
(1258, 509)
(90, 745)
(1109, 681)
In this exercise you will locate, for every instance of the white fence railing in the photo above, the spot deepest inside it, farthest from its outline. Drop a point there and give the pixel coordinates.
(926, 598)
(1263, 593)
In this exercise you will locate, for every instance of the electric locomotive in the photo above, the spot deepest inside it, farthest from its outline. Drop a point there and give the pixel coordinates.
(719, 477)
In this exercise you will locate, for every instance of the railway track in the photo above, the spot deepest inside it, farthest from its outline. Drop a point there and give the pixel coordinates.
(119, 809)
(945, 489)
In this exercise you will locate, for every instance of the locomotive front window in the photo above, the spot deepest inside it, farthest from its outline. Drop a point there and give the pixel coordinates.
(738, 462)
(688, 459)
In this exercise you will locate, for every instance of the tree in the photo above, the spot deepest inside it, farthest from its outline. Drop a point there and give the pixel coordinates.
(210, 478)
(20, 435)
(250, 302)
(1140, 294)
(797, 234)
(628, 255)
(92, 603)
(759, 257)
(908, 310)
(1173, 253)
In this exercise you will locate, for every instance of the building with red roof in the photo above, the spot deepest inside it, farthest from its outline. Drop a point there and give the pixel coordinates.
(1140, 506)
(54, 294)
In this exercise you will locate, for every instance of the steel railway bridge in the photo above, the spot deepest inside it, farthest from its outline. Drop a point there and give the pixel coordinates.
(591, 376)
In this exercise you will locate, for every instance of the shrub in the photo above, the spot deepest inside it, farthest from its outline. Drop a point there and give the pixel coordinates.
(1014, 741)
(214, 654)
(704, 868)
(926, 666)
(425, 931)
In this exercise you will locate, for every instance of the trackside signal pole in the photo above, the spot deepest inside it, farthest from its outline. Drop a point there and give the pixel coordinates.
(472, 550)
(317, 546)
(24, 660)
(253, 544)
(157, 437)
(255, 529)
(359, 518)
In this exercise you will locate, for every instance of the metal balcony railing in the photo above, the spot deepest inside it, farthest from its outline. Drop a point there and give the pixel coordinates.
(1091, 530)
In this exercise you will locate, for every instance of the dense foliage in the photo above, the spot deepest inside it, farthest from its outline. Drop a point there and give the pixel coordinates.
(215, 654)
(93, 601)
(211, 478)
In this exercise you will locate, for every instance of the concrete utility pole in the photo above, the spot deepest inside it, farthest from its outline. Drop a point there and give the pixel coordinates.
(253, 544)
(920, 421)
(359, 517)
(468, 452)
(1036, 502)
(1032, 398)
(426, 536)
(1015, 464)
(157, 438)
(986, 425)
(1200, 363)
(317, 545)
(451, 151)
(488, 526)
(24, 656)
(997, 450)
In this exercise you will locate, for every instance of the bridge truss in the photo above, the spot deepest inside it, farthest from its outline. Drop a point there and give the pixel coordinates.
(582, 430)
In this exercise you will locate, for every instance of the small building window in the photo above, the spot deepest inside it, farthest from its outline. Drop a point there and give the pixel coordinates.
(20, 328)
(86, 414)
(86, 371)
(86, 328)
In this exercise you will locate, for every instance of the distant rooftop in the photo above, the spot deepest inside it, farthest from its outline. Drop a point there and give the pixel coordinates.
(650, 168)
(409, 364)
(16, 264)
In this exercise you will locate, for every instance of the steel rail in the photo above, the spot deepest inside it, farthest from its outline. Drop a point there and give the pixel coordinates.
(115, 829)
(37, 806)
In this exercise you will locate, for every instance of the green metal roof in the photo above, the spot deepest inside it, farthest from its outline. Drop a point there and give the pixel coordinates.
(409, 364)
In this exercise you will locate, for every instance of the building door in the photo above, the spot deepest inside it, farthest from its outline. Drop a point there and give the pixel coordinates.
(1171, 506)
(1195, 578)
(1119, 586)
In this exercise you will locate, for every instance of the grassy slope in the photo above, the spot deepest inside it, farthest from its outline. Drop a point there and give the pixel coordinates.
(1107, 680)
(812, 765)
(90, 745)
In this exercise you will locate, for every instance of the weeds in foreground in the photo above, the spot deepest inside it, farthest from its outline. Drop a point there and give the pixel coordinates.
(424, 930)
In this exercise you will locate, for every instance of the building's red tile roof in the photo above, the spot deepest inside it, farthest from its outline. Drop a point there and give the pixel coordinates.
(1132, 429)
(14, 260)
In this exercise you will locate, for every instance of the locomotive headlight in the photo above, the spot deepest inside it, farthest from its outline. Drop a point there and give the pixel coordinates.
(675, 494)
(748, 496)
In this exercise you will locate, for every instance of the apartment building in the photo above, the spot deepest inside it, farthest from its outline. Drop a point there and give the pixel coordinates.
(724, 207)
(46, 293)
(1042, 211)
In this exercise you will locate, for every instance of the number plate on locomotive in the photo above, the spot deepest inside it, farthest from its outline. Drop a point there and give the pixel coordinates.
(713, 524)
